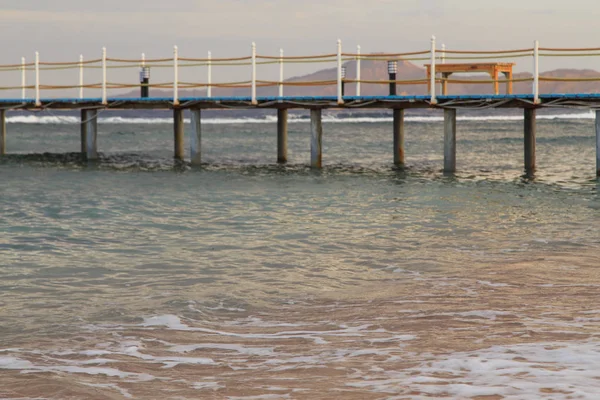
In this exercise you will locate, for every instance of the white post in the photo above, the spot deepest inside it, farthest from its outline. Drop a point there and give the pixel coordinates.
(175, 76)
(104, 98)
(280, 72)
(443, 55)
(433, 99)
(37, 79)
(143, 63)
(254, 73)
(358, 70)
(340, 100)
(23, 78)
(209, 87)
(81, 76)
(536, 72)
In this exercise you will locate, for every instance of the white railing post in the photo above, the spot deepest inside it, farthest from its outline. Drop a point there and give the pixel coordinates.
(340, 99)
(443, 55)
(104, 96)
(358, 70)
(175, 76)
(23, 78)
(280, 72)
(433, 99)
(81, 76)
(536, 72)
(143, 63)
(209, 87)
(254, 73)
(37, 79)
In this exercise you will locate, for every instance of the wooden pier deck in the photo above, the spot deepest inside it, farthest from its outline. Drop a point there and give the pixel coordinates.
(589, 100)
(434, 77)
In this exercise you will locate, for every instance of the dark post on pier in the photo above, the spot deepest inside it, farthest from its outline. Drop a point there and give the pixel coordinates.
(450, 140)
(144, 82)
(392, 71)
(529, 140)
(597, 142)
(398, 137)
(178, 130)
(282, 135)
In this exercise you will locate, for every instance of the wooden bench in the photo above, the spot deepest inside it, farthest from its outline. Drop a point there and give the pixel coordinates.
(494, 69)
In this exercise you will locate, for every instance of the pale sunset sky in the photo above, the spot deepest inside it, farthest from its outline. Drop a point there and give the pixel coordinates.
(62, 29)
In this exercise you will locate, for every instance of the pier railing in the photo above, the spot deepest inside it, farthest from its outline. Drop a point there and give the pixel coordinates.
(433, 58)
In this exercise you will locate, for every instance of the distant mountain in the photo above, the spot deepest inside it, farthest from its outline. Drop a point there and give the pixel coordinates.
(377, 70)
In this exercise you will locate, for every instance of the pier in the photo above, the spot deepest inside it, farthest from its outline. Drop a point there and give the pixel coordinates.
(436, 79)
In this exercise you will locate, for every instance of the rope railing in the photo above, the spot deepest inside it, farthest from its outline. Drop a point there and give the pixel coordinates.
(397, 82)
(333, 55)
(414, 53)
(433, 59)
(570, 49)
(530, 50)
(557, 79)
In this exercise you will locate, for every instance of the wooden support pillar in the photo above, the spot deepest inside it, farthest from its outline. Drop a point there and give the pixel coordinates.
(316, 138)
(399, 137)
(509, 83)
(282, 135)
(597, 142)
(89, 134)
(178, 129)
(196, 138)
(496, 83)
(529, 140)
(449, 140)
(2, 132)
(445, 77)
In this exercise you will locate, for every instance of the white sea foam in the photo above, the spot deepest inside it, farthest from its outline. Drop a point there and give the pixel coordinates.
(492, 284)
(261, 397)
(270, 119)
(561, 370)
(251, 351)
(207, 385)
(14, 363)
(174, 322)
(124, 392)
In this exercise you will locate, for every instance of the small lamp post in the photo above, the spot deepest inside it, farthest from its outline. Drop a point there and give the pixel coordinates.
(392, 70)
(144, 81)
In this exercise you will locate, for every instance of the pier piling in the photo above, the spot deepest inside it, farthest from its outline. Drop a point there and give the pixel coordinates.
(316, 138)
(449, 140)
(196, 137)
(399, 137)
(282, 134)
(529, 140)
(178, 129)
(597, 142)
(89, 134)
(2, 132)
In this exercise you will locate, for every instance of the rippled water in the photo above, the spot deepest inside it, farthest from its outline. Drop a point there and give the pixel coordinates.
(138, 278)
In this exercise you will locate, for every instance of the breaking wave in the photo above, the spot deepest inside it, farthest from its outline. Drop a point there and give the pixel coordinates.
(269, 119)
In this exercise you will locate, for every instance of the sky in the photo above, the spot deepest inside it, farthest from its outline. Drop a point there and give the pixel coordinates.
(62, 29)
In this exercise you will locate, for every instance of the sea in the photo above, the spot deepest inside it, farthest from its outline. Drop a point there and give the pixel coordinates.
(138, 277)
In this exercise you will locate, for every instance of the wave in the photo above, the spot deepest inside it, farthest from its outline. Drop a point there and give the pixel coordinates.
(269, 119)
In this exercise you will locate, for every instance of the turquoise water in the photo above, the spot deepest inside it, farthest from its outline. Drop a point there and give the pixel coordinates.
(134, 277)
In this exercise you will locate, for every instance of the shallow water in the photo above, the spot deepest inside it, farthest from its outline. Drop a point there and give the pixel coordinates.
(138, 278)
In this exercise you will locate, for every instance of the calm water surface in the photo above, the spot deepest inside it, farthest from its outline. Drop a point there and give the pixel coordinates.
(137, 278)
